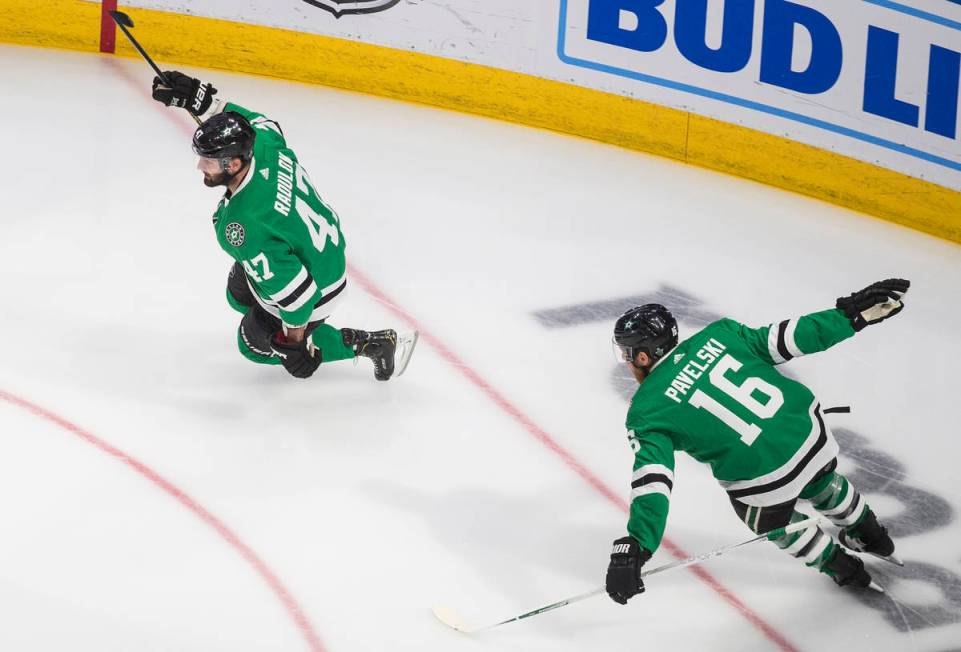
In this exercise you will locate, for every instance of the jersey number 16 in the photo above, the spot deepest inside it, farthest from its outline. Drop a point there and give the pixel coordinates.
(743, 394)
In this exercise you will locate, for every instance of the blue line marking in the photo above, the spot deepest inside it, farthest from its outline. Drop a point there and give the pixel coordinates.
(917, 13)
(748, 104)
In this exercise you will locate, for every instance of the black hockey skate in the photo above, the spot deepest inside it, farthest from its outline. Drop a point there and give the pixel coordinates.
(847, 570)
(389, 352)
(379, 346)
(871, 537)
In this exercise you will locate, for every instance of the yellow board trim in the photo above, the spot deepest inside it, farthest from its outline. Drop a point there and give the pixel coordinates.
(411, 76)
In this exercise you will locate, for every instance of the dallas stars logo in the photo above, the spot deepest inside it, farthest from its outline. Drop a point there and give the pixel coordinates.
(234, 234)
(342, 7)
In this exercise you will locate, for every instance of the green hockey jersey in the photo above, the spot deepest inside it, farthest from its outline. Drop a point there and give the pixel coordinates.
(277, 226)
(718, 397)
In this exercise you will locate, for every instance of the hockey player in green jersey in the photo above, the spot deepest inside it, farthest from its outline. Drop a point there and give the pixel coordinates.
(290, 271)
(718, 397)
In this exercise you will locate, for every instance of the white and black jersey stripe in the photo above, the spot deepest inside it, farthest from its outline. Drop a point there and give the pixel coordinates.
(299, 291)
(652, 479)
(786, 482)
(780, 341)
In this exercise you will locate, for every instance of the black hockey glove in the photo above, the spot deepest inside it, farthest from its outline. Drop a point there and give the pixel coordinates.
(624, 572)
(874, 303)
(297, 359)
(184, 92)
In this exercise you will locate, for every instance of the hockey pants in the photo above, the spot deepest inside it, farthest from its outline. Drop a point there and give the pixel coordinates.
(258, 326)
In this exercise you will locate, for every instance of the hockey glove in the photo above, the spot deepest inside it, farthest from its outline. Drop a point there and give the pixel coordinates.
(624, 572)
(184, 92)
(298, 359)
(874, 303)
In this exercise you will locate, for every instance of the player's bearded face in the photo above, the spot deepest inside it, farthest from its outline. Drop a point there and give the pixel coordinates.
(213, 175)
(640, 373)
(640, 366)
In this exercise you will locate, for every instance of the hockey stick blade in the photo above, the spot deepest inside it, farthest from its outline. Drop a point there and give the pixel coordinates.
(450, 618)
(405, 348)
(121, 18)
(125, 23)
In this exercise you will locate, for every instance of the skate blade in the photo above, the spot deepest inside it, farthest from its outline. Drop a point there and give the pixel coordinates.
(405, 348)
(891, 559)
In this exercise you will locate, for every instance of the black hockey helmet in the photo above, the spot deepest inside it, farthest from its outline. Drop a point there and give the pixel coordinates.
(650, 328)
(225, 136)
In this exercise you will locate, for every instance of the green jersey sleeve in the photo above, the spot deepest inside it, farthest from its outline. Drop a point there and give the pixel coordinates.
(783, 341)
(268, 131)
(651, 486)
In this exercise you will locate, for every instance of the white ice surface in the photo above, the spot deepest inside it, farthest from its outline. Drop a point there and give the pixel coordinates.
(372, 502)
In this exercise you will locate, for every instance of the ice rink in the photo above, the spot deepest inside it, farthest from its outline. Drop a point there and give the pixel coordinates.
(160, 492)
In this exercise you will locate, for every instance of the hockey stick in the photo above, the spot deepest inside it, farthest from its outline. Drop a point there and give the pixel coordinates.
(452, 620)
(125, 23)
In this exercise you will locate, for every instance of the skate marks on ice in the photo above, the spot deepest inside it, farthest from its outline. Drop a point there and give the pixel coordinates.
(685, 307)
(904, 615)
(877, 473)
(874, 473)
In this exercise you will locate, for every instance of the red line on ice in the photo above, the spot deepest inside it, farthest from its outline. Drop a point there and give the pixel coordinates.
(228, 535)
(542, 436)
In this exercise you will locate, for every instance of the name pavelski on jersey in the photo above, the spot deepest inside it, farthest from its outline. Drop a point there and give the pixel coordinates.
(342, 7)
(684, 380)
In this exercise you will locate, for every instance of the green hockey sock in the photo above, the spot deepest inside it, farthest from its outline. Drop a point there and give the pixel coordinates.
(835, 497)
(331, 344)
(811, 545)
